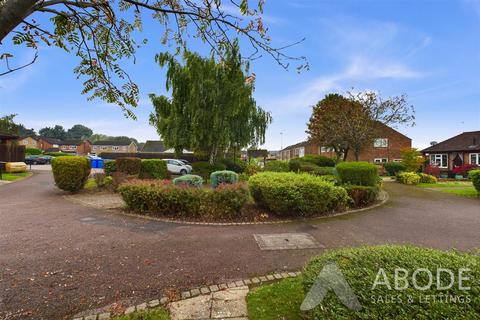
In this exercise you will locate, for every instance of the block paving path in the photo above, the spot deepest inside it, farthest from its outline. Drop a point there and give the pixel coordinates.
(58, 258)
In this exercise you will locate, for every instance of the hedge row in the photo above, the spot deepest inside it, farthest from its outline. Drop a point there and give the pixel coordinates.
(412, 178)
(361, 269)
(296, 194)
(474, 175)
(166, 199)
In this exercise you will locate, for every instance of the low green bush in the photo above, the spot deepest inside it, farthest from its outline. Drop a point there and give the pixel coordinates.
(154, 169)
(362, 269)
(296, 194)
(99, 178)
(237, 165)
(329, 178)
(223, 177)
(392, 168)
(474, 175)
(189, 179)
(109, 166)
(277, 166)
(59, 154)
(252, 168)
(295, 164)
(205, 169)
(320, 161)
(427, 178)
(362, 195)
(308, 167)
(70, 173)
(358, 173)
(129, 165)
(166, 199)
(410, 178)
(325, 171)
(33, 151)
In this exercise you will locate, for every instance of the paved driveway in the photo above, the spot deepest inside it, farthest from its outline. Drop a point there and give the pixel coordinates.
(59, 258)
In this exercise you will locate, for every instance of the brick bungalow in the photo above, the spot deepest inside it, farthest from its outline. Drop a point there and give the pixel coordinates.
(456, 151)
(48, 144)
(386, 147)
(79, 147)
(29, 142)
(113, 146)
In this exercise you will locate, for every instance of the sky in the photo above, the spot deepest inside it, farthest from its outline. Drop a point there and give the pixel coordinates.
(428, 50)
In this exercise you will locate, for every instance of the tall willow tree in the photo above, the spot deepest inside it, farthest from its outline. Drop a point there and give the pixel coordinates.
(211, 108)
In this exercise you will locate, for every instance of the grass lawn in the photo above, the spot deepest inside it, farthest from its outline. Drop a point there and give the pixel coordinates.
(14, 176)
(154, 314)
(277, 301)
(461, 188)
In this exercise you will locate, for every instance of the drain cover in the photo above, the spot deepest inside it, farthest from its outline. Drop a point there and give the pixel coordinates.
(286, 241)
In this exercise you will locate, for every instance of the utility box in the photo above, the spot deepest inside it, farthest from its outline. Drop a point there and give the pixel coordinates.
(12, 167)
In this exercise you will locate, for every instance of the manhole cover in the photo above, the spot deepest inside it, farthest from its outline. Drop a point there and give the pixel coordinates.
(286, 241)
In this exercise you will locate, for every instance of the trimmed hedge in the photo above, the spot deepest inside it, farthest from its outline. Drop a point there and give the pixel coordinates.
(358, 173)
(237, 166)
(277, 166)
(59, 154)
(154, 169)
(320, 161)
(325, 171)
(474, 175)
(189, 179)
(410, 178)
(33, 151)
(131, 166)
(109, 166)
(165, 199)
(393, 168)
(362, 195)
(361, 266)
(223, 177)
(70, 173)
(296, 194)
(205, 169)
(427, 178)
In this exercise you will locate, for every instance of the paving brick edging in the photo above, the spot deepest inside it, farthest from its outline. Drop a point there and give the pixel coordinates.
(163, 301)
(382, 198)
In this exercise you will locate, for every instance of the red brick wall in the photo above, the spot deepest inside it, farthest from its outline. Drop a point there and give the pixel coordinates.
(396, 142)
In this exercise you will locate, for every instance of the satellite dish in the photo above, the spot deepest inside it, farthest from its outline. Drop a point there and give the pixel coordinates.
(433, 143)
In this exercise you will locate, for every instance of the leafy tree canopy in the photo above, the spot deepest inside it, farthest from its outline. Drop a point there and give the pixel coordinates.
(212, 108)
(79, 132)
(57, 132)
(7, 125)
(102, 33)
(352, 122)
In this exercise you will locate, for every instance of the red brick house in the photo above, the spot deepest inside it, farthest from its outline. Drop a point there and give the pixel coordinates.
(456, 151)
(80, 147)
(386, 147)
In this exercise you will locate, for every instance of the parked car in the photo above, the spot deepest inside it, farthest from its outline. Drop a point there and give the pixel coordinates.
(48, 159)
(188, 164)
(177, 167)
(35, 160)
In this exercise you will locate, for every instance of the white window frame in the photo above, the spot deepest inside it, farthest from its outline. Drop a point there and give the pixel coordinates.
(477, 158)
(326, 149)
(439, 156)
(380, 160)
(94, 147)
(104, 148)
(115, 148)
(380, 143)
(301, 152)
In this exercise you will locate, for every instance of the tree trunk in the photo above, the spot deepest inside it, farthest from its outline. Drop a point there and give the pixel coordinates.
(12, 13)
(213, 155)
(345, 154)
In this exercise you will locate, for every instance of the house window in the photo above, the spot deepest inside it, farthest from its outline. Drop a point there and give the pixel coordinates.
(301, 152)
(94, 148)
(440, 160)
(475, 158)
(380, 160)
(397, 160)
(326, 149)
(380, 143)
(116, 148)
(104, 147)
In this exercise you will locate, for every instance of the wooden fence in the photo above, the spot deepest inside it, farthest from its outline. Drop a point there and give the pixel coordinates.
(12, 153)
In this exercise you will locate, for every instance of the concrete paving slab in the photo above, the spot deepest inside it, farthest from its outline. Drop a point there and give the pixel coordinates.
(229, 303)
(191, 309)
(286, 241)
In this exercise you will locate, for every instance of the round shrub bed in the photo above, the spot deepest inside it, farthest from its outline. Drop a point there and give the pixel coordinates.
(162, 198)
(362, 195)
(474, 175)
(358, 173)
(277, 166)
(410, 178)
(294, 194)
(70, 173)
(361, 266)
